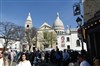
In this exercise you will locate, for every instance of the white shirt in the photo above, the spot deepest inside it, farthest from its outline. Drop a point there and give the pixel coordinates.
(24, 63)
(84, 63)
(1, 61)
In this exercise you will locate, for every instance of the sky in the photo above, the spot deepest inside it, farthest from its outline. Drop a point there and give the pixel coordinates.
(16, 11)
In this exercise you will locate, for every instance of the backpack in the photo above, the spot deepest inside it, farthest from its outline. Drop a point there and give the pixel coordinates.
(9, 56)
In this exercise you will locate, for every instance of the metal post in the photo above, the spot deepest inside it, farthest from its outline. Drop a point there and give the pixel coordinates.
(82, 37)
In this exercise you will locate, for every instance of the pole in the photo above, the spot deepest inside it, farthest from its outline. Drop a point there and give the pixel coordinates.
(82, 37)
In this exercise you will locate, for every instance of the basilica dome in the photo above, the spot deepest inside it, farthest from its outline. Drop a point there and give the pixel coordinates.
(58, 24)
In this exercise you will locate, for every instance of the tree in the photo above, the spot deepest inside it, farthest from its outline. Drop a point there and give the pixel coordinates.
(49, 37)
(9, 32)
(29, 35)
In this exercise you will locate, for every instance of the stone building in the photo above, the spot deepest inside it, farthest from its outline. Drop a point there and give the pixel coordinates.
(92, 27)
(59, 36)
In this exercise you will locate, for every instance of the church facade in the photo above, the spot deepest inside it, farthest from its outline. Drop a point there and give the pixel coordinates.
(49, 37)
(58, 36)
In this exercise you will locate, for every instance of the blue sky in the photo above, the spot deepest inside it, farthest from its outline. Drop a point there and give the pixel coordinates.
(16, 11)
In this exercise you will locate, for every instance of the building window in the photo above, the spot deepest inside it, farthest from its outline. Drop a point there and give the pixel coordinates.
(68, 46)
(68, 39)
(57, 32)
(77, 43)
(15, 47)
(15, 44)
(60, 32)
(27, 25)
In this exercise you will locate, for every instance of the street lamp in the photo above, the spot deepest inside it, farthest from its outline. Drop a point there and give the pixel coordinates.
(79, 22)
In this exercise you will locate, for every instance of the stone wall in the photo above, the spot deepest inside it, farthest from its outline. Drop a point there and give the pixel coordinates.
(90, 8)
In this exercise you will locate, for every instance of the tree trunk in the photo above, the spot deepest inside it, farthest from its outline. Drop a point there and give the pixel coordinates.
(51, 39)
(29, 47)
(29, 44)
(4, 48)
(51, 43)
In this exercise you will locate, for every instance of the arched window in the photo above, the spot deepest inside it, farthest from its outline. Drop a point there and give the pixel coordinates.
(68, 46)
(77, 43)
(68, 39)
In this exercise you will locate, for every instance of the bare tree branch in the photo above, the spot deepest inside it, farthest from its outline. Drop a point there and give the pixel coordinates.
(30, 34)
(9, 32)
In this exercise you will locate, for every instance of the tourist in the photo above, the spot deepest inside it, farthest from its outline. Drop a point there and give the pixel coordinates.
(47, 56)
(3, 61)
(58, 58)
(82, 60)
(66, 57)
(23, 61)
(96, 62)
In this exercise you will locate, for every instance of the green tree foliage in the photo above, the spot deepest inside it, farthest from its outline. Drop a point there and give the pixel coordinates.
(50, 37)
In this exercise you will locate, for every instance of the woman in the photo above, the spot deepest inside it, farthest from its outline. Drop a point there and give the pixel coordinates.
(3, 61)
(23, 61)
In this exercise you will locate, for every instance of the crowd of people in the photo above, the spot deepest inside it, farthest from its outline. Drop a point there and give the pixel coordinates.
(59, 58)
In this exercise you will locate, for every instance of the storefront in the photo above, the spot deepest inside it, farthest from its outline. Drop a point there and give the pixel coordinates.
(91, 34)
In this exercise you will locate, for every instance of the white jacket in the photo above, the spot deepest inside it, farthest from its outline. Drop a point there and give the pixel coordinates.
(24, 63)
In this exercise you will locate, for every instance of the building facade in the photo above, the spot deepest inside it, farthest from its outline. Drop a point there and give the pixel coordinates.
(70, 40)
(12, 45)
(92, 28)
(59, 36)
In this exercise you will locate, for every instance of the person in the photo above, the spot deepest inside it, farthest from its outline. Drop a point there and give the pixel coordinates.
(23, 61)
(66, 57)
(82, 60)
(47, 56)
(11, 59)
(31, 57)
(3, 61)
(58, 58)
(96, 62)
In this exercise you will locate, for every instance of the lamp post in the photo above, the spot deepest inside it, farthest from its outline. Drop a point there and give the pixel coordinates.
(79, 22)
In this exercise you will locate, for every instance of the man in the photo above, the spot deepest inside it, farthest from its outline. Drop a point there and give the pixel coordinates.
(3, 61)
(58, 58)
(81, 59)
(65, 58)
(11, 54)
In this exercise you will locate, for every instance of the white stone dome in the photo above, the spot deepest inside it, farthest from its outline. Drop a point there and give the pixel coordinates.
(58, 24)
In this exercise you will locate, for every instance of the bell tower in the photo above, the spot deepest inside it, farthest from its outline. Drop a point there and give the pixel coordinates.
(28, 24)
